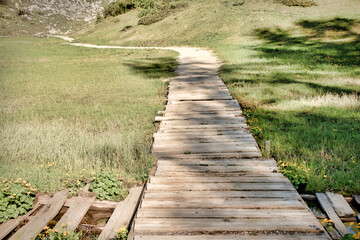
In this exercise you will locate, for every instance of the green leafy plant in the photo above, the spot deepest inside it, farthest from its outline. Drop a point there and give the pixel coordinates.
(107, 187)
(59, 234)
(122, 233)
(16, 198)
(295, 173)
(118, 7)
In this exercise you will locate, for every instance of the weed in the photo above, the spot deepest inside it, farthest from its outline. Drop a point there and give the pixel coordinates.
(122, 233)
(59, 234)
(107, 187)
(16, 198)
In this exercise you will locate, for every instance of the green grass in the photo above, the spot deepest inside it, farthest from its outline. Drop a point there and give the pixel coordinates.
(303, 94)
(295, 68)
(68, 112)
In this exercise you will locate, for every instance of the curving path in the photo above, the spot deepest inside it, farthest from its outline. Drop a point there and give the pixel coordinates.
(211, 180)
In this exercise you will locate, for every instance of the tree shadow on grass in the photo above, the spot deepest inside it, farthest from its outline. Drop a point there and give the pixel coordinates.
(162, 67)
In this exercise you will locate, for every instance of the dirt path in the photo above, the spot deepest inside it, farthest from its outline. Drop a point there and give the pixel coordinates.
(211, 180)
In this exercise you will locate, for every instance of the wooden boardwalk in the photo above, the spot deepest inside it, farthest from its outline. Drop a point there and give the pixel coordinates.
(211, 180)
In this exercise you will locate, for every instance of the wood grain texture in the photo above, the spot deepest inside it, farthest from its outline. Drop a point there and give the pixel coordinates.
(41, 219)
(211, 177)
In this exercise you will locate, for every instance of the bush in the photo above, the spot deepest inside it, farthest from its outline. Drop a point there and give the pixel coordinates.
(298, 3)
(107, 187)
(163, 12)
(147, 7)
(16, 198)
(118, 7)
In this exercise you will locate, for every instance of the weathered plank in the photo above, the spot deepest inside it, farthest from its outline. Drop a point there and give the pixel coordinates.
(341, 207)
(122, 214)
(216, 162)
(77, 210)
(259, 236)
(233, 203)
(237, 179)
(222, 213)
(41, 219)
(7, 227)
(199, 168)
(101, 205)
(300, 224)
(326, 206)
(221, 194)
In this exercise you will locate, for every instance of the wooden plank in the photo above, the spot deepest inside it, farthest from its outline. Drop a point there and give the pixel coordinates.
(222, 213)
(98, 205)
(216, 162)
(341, 207)
(205, 148)
(303, 224)
(259, 236)
(208, 126)
(77, 210)
(234, 186)
(221, 194)
(276, 203)
(7, 227)
(241, 137)
(215, 169)
(326, 206)
(196, 180)
(41, 219)
(122, 214)
(160, 143)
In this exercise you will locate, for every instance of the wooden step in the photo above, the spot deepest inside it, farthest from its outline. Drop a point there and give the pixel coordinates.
(222, 194)
(299, 224)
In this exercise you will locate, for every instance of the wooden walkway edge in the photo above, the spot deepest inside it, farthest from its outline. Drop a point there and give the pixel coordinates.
(211, 180)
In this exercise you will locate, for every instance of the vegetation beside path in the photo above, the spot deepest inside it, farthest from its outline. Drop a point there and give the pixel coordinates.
(293, 67)
(68, 113)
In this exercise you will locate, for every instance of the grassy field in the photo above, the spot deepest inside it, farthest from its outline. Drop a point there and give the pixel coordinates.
(69, 112)
(294, 69)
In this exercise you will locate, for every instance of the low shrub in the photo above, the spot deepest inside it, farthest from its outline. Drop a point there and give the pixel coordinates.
(298, 3)
(118, 7)
(16, 198)
(107, 187)
(163, 12)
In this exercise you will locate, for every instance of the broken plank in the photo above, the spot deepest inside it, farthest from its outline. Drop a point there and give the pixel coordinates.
(101, 205)
(122, 214)
(7, 227)
(341, 207)
(79, 206)
(326, 206)
(41, 219)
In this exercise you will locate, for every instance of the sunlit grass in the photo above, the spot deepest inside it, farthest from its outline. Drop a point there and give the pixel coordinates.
(68, 112)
